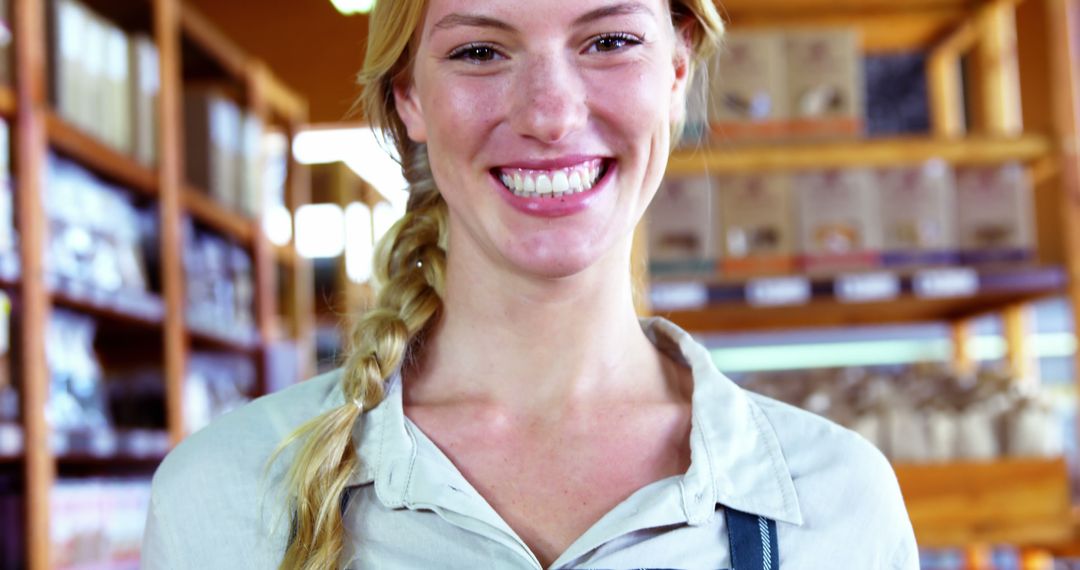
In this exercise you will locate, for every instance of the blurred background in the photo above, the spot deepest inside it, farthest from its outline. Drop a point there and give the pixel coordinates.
(873, 214)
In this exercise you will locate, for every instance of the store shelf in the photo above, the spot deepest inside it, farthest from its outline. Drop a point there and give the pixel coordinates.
(137, 309)
(99, 157)
(206, 211)
(108, 452)
(1013, 501)
(801, 302)
(866, 153)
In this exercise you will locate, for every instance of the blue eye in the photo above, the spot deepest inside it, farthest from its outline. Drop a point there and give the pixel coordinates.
(614, 42)
(474, 53)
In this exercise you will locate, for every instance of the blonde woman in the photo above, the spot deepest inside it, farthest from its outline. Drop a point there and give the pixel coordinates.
(503, 406)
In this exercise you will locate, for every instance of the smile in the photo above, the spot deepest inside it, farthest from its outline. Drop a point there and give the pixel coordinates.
(529, 183)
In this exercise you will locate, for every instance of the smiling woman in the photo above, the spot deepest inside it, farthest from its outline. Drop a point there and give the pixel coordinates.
(502, 406)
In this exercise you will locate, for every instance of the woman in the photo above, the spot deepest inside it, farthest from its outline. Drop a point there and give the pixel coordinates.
(503, 407)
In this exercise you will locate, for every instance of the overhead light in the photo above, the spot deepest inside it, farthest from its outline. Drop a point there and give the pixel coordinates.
(350, 7)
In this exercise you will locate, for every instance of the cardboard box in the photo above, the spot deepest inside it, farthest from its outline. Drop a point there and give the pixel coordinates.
(839, 220)
(995, 216)
(680, 228)
(748, 87)
(918, 215)
(825, 82)
(757, 233)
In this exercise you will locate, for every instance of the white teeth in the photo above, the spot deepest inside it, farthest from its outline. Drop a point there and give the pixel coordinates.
(543, 184)
(560, 183)
(575, 182)
(556, 183)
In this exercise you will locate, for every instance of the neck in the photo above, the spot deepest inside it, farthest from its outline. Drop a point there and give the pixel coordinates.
(529, 344)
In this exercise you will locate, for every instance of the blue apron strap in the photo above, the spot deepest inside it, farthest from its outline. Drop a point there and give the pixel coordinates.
(752, 541)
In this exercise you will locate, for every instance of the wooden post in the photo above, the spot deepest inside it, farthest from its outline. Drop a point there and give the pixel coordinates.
(1062, 37)
(1017, 325)
(303, 278)
(963, 362)
(946, 94)
(170, 177)
(998, 71)
(30, 146)
(262, 250)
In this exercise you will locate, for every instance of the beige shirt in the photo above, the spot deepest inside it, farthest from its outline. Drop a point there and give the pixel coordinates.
(834, 497)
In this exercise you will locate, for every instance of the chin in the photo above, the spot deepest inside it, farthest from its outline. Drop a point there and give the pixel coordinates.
(554, 262)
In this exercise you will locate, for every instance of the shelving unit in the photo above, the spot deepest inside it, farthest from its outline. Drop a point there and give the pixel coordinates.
(190, 50)
(1010, 47)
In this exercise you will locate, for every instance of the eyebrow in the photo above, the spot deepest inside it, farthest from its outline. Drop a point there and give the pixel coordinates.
(478, 21)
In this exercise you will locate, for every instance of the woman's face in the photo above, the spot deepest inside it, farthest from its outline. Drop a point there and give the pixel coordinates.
(548, 123)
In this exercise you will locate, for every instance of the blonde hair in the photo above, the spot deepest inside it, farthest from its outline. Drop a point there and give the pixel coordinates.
(409, 268)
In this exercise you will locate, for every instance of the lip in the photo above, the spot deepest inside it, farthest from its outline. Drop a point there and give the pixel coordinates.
(553, 163)
(566, 205)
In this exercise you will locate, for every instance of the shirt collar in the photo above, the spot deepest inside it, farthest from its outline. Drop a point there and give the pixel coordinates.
(736, 458)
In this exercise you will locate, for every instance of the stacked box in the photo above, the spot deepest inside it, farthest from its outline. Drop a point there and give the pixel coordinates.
(680, 227)
(918, 215)
(839, 220)
(748, 88)
(756, 236)
(995, 216)
(825, 82)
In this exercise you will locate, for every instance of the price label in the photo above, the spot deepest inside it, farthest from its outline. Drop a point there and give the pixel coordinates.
(678, 296)
(867, 287)
(778, 291)
(942, 283)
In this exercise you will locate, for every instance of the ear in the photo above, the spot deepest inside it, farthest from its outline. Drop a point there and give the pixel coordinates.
(681, 60)
(408, 106)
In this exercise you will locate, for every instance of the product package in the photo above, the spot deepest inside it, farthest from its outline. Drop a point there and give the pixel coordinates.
(757, 233)
(825, 82)
(748, 87)
(995, 216)
(918, 215)
(220, 287)
(9, 243)
(212, 129)
(145, 87)
(680, 226)
(78, 409)
(839, 220)
(215, 384)
(98, 523)
(97, 241)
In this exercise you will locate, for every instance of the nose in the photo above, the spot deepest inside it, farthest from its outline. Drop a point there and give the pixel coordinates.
(549, 100)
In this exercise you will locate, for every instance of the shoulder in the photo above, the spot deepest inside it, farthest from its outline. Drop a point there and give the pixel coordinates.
(843, 482)
(216, 488)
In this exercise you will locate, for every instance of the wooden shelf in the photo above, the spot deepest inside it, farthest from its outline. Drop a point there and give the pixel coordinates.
(213, 44)
(142, 310)
(286, 255)
(872, 153)
(99, 157)
(215, 340)
(219, 218)
(1012, 501)
(724, 307)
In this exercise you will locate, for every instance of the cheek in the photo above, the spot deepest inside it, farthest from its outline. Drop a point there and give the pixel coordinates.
(462, 111)
(633, 100)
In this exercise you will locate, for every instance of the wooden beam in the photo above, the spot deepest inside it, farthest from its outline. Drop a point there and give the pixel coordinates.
(878, 152)
(170, 176)
(963, 362)
(1017, 326)
(881, 32)
(946, 92)
(209, 38)
(302, 279)
(998, 70)
(30, 149)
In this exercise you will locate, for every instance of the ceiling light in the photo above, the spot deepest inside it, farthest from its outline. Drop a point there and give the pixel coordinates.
(350, 7)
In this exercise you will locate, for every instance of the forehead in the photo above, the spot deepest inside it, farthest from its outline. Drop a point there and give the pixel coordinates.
(563, 12)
